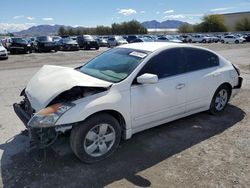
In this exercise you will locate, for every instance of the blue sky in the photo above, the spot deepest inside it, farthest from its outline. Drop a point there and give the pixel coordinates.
(21, 14)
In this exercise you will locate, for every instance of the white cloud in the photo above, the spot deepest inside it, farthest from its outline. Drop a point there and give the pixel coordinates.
(158, 12)
(13, 27)
(30, 18)
(18, 17)
(220, 9)
(127, 12)
(142, 12)
(175, 16)
(48, 19)
(168, 11)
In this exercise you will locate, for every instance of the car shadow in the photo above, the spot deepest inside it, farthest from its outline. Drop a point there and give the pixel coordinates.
(144, 150)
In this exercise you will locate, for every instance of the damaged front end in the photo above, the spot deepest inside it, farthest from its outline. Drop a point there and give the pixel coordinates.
(41, 125)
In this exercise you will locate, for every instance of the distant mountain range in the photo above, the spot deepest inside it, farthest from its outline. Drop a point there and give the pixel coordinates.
(39, 30)
(53, 29)
(173, 24)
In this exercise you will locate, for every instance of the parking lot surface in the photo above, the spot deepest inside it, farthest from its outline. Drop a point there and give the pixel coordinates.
(198, 151)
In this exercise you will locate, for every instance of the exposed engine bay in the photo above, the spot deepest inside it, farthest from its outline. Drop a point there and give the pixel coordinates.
(44, 137)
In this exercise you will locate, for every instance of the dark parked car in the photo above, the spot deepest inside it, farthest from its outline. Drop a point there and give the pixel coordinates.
(68, 44)
(87, 42)
(247, 37)
(19, 45)
(131, 38)
(45, 44)
(143, 39)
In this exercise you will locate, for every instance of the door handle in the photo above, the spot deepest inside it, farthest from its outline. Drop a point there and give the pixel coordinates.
(180, 86)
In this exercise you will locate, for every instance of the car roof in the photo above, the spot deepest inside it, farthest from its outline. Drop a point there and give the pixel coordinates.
(152, 46)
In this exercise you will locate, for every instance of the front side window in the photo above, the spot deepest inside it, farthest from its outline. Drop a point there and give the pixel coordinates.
(200, 59)
(165, 64)
(114, 65)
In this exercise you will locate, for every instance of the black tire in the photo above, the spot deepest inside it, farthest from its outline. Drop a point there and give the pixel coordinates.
(97, 48)
(237, 42)
(204, 41)
(213, 106)
(222, 41)
(79, 133)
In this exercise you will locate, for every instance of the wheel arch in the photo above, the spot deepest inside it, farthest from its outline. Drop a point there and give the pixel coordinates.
(117, 115)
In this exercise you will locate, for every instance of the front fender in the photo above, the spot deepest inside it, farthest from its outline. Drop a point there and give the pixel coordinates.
(110, 100)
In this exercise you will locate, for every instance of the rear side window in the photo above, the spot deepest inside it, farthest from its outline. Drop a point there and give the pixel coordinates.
(167, 63)
(200, 59)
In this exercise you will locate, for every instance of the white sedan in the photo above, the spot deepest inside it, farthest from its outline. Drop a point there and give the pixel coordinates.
(124, 91)
(3, 52)
(232, 39)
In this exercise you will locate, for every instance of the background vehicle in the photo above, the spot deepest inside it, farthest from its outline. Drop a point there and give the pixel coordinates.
(102, 41)
(232, 39)
(116, 41)
(168, 39)
(200, 38)
(3, 52)
(6, 43)
(131, 38)
(87, 42)
(45, 44)
(56, 38)
(125, 90)
(247, 37)
(143, 39)
(68, 44)
(19, 45)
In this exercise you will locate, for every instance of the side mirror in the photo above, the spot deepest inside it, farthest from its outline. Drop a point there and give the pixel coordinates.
(147, 79)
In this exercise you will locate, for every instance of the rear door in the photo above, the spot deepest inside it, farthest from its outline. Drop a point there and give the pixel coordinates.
(203, 77)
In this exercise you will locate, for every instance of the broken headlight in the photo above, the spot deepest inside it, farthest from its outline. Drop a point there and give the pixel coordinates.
(48, 116)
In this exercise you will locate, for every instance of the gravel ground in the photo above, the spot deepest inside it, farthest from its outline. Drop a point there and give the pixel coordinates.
(198, 151)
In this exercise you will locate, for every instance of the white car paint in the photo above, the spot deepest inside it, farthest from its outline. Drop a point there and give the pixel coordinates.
(3, 51)
(50, 81)
(142, 106)
(116, 41)
(233, 39)
(200, 38)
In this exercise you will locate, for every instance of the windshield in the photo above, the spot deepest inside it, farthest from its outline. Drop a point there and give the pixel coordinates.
(88, 37)
(114, 65)
(19, 40)
(44, 39)
(69, 41)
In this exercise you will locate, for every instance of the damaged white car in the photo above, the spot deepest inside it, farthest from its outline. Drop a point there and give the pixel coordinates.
(123, 91)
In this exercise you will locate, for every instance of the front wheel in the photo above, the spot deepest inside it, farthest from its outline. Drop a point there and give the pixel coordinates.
(220, 99)
(96, 138)
(237, 42)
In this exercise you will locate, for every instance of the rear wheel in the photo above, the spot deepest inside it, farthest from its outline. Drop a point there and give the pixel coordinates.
(237, 42)
(220, 99)
(222, 41)
(96, 138)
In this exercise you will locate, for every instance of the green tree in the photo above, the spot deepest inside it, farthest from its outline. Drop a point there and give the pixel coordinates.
(211, 23)
(71, 31)
(243, 25)
(62, 31)
(186, 28)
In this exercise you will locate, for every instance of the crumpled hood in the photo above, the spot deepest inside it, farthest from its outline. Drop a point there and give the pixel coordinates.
(51, 81)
